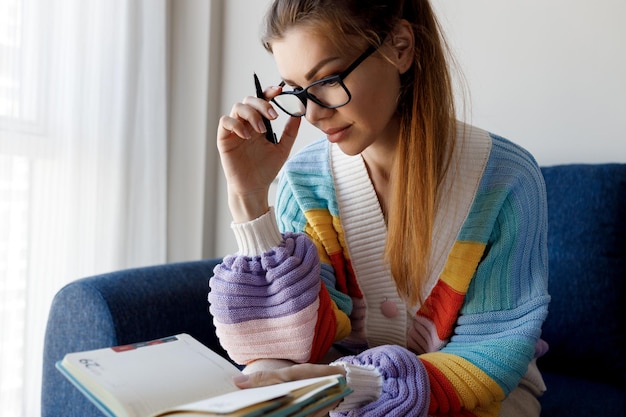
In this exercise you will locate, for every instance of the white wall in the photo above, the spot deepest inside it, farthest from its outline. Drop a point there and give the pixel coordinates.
(189, 127)
(549, 75)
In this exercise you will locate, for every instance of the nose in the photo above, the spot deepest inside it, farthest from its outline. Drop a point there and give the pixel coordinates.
(315, 112)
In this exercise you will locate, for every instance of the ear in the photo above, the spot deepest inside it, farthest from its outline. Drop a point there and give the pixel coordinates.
(403, 45)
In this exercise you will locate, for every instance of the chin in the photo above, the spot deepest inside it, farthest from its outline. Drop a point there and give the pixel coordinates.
(349, 150)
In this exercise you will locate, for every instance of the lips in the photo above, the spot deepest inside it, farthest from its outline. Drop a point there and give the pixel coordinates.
(336, 134)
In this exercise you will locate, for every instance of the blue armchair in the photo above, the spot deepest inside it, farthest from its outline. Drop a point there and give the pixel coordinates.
(585, 370)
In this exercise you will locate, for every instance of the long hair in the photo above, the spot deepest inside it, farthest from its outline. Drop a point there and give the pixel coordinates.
(425, 107)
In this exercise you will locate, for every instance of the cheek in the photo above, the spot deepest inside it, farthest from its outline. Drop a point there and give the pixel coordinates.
(377, 101)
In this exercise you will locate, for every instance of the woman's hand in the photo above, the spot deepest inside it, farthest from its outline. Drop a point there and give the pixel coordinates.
(290, 373)
(250, 162)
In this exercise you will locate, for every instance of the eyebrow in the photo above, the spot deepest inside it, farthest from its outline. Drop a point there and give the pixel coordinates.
(309, 75)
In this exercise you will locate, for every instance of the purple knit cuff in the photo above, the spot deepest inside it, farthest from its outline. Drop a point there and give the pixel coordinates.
(405, 389)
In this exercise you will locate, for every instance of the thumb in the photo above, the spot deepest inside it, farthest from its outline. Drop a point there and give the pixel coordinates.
(256, 379)
(290, 131)
(242, 381)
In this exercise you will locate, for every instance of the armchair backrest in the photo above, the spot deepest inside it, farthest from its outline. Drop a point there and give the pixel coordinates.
(587, 263)
(118, 308)
(585, 325)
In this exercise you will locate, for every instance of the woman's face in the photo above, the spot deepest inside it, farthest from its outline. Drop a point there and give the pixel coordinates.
(303, 57)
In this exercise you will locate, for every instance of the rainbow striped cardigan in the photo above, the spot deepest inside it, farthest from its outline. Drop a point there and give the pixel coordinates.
(310, 276)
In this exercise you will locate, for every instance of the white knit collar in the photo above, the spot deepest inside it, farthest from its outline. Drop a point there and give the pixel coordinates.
(364, 226)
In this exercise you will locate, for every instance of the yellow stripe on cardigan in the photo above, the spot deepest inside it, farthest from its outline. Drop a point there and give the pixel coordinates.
(344, 327)
(475, 388)
(461, 264)
(326, 233)
(325, 229)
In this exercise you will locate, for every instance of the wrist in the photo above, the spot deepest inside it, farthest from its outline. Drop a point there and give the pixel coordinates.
(245, 208)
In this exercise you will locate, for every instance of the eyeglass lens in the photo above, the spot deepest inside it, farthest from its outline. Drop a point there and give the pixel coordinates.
(329, 93)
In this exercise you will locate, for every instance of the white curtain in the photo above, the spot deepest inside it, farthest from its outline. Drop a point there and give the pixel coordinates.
(83, 141)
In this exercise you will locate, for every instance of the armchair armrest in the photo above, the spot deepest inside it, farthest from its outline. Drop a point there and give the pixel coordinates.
(118, 308)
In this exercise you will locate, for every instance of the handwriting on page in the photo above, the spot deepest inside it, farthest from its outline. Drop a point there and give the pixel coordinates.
(88, 363)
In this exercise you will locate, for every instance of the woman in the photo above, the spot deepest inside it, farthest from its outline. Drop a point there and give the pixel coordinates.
(406, 250)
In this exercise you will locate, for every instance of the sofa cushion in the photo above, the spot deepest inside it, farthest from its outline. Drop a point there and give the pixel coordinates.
(586, 397)
(587, 263)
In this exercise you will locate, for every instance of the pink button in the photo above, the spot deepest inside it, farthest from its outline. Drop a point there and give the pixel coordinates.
(389, 309)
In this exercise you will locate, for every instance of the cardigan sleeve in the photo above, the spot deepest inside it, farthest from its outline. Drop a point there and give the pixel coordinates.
(493, 339)
(270, 289)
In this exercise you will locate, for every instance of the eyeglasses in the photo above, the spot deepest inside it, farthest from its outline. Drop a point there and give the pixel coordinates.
(329, 92)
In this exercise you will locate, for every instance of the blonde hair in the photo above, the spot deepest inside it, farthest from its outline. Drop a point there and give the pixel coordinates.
(426, 109)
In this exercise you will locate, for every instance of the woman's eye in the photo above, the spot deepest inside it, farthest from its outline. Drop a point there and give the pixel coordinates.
(291, 89)
(330, 82)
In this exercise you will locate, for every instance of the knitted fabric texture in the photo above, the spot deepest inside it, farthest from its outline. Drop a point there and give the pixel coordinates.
(462, 351)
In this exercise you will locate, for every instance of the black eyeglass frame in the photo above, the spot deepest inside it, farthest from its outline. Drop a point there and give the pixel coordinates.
(303, 94)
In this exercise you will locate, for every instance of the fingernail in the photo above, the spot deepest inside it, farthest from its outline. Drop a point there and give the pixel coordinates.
(261, 127)
(247, 134)
(238, 379)
(273, 113)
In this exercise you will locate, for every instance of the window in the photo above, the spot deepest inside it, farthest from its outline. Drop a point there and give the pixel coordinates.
(21, 57)
(83, 129)
(20, 123)
(14, 184)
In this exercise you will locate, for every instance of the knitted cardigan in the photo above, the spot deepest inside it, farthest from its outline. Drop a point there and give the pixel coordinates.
(310, 277)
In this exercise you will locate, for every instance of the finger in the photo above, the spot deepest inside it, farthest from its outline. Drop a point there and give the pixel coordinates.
(275, 376)
(258, 379)
(262, 106)
(254, 111)
(228, 126)
(250, 113)
(306, 370)
(290, 131)
(303, 370)
(272, 91)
